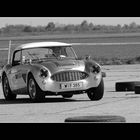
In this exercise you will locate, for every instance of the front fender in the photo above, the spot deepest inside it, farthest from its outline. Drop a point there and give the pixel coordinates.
(5, 70)
(89, 64)
(35, 71)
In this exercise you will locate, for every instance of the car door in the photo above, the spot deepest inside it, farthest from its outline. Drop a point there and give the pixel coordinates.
(15, 74)
(23, 71)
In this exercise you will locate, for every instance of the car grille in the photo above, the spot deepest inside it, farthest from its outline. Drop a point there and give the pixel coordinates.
(69, 76)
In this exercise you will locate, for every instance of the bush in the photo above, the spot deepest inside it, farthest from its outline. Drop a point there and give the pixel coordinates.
(28, 29)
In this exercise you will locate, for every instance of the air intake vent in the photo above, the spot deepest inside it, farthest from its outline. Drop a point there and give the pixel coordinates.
(67, 76)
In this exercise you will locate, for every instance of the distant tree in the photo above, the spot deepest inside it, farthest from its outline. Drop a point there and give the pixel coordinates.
(40, 29)
(77, 28)
(84, 25)
(7, 28)
(69, 27)
(133, 25)
(119, 26)
(27, 29)
(125, 26)
(50, 26)
(97, 27)
(91, 26)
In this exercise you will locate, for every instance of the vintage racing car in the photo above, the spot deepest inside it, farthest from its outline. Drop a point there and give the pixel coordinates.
(50, 68)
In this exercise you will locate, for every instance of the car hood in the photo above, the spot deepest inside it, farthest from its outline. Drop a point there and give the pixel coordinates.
(62, 65)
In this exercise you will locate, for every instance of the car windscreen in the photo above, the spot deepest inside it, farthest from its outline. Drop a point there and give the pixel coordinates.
(48, 53)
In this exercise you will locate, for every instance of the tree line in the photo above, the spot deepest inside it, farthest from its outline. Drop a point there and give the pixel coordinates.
(83, 27)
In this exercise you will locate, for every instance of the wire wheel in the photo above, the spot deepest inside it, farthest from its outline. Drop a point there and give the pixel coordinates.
(32, 88)
(97, 93)
(6, 89)
(6, 86)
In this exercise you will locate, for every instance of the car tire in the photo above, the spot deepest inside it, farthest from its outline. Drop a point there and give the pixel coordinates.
(137, 89)
(97, 93)
(126, 86)
(67, 95)
(34, 90)
(104, 118)
(7, 90)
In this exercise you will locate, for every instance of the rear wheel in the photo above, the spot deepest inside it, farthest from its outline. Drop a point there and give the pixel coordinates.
(95, 94)
(6, 89)
(34, 91)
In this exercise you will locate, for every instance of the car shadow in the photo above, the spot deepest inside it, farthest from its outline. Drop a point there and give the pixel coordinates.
(46, 100)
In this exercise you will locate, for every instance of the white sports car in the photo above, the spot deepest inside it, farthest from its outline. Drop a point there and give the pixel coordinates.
(51, 68)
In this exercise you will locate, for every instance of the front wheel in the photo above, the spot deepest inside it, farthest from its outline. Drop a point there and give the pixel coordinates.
(34, 91)
(95, 94)
(6, 89)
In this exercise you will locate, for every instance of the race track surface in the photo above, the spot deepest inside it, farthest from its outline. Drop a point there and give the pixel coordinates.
(55, 109)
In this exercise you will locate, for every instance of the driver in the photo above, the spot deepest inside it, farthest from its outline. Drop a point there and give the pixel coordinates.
(57, 51)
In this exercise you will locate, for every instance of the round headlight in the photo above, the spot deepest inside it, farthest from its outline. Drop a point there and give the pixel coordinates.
(43, 73)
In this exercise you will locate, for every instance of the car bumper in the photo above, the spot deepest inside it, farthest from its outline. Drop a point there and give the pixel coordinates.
(53, 86)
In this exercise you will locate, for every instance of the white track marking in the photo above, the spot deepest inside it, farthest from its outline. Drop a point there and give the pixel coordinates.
(3, 49)
(6, 49)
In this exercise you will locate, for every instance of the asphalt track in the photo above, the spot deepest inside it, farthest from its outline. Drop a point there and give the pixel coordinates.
(56, 109)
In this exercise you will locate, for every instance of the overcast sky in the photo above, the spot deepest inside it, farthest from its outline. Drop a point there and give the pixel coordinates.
(35, 21)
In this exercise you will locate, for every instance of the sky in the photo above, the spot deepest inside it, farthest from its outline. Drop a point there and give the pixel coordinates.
(36, 21)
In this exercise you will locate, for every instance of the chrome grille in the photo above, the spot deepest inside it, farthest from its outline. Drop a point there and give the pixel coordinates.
(69, 76)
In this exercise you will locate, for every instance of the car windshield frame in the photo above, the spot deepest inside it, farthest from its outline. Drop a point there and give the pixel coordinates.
(34, 56)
